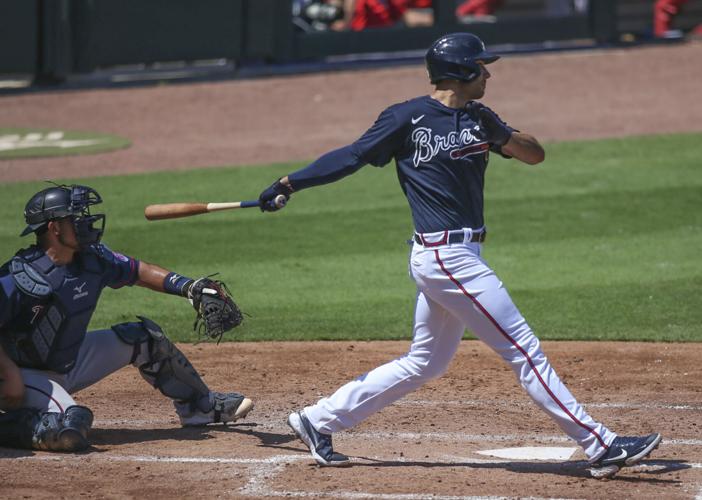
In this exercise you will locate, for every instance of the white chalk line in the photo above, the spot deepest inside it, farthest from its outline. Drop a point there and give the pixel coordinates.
(262, 470)
(265, 468)
(277, 425)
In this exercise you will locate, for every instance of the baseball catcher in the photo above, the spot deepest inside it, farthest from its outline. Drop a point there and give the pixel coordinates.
(48, 293)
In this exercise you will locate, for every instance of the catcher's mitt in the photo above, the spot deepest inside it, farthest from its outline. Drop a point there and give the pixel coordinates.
(217, 312)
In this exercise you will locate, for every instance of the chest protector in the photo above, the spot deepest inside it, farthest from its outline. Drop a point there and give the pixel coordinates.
(63, 298)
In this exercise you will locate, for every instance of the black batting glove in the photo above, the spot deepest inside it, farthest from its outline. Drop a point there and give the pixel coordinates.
(266, 200)
(496, 131)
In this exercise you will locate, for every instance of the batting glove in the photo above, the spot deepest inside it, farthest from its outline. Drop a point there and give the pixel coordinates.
(266, 200)
(496, 131)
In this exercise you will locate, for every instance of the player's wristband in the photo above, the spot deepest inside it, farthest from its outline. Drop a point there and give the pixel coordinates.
(175, 284)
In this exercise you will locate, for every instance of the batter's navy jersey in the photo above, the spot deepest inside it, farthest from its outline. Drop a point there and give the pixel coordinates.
(440, 153)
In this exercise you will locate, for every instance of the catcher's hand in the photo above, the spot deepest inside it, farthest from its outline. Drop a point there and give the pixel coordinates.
(217, 312)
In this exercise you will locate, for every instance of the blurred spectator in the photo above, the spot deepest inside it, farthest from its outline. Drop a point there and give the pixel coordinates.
(472, 8)
(317, 15)
(362, 14)
(664, 11)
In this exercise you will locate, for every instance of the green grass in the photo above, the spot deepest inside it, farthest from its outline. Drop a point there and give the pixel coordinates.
(602, 241)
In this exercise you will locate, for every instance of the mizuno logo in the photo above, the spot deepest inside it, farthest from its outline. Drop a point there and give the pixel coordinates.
(416, 120)
(79, 291)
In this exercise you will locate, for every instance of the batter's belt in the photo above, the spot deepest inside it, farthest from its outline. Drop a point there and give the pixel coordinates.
(457, 236)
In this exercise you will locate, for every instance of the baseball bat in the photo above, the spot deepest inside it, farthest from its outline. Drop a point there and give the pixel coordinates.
(175, 210)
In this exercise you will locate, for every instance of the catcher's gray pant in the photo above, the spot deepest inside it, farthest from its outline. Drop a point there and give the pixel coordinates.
(102, 353)
(456, 289)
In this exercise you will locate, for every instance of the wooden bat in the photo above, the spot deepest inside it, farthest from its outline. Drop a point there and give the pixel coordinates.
(175, 210)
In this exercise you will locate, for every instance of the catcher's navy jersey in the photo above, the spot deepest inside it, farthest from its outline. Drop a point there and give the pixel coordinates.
(441, 156)
(74, 292)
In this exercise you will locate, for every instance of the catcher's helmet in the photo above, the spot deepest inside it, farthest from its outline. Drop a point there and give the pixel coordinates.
(63, 201)
(454, 56)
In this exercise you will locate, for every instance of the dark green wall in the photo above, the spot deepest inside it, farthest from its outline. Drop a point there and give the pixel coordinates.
(19, 36)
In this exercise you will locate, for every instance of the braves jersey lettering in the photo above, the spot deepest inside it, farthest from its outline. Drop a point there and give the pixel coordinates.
(427, 145)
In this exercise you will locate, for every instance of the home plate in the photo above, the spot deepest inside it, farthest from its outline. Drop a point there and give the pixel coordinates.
(531, 453)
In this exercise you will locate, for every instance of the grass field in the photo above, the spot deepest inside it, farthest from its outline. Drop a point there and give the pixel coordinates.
(602, 241)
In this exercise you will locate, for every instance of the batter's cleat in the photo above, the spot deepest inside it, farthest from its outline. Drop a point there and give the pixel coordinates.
(226, 407)
(320, 445)
(624, 451)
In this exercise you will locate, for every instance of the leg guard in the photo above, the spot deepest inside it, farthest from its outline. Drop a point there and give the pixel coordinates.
(162, 364)
(47, 431)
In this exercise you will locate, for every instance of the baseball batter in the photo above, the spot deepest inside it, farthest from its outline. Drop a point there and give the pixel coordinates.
(48, 293)
(441, 144)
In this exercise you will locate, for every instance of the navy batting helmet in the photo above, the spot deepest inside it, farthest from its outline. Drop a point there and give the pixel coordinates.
(455, 56)
(72, 201)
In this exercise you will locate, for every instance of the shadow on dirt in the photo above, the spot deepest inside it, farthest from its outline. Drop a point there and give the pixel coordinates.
(645, 471)
(13, 453)
(105, 437)
(126, 436)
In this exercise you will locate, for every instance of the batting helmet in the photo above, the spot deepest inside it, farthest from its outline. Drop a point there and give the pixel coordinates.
(455, 56)
(63, 201)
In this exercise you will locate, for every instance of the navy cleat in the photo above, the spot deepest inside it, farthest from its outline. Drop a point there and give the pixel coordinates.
(624, 451)
(320, 445)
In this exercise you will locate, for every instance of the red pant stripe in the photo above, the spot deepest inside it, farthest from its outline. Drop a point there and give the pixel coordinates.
(515, 344)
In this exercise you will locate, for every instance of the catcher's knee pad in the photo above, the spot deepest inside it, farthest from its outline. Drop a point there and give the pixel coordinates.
(135, 334)
(167, 369)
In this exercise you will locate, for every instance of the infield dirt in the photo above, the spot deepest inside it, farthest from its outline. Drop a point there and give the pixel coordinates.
(424, 445)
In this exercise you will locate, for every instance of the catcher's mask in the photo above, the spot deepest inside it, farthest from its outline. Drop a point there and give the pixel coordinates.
(455, 57)
(65, 201)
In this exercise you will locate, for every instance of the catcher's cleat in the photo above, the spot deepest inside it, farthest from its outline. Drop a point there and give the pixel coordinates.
(624, 451)
(226, 407)
(320, 445)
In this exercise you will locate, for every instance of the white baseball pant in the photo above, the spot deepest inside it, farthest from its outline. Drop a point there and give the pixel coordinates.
(456, 289)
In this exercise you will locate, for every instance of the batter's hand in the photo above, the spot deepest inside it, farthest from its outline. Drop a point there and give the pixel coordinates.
(496, 131)
(266, 199)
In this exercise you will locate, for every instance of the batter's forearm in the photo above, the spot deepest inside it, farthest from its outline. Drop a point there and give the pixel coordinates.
(524, 147)
(328, 168)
